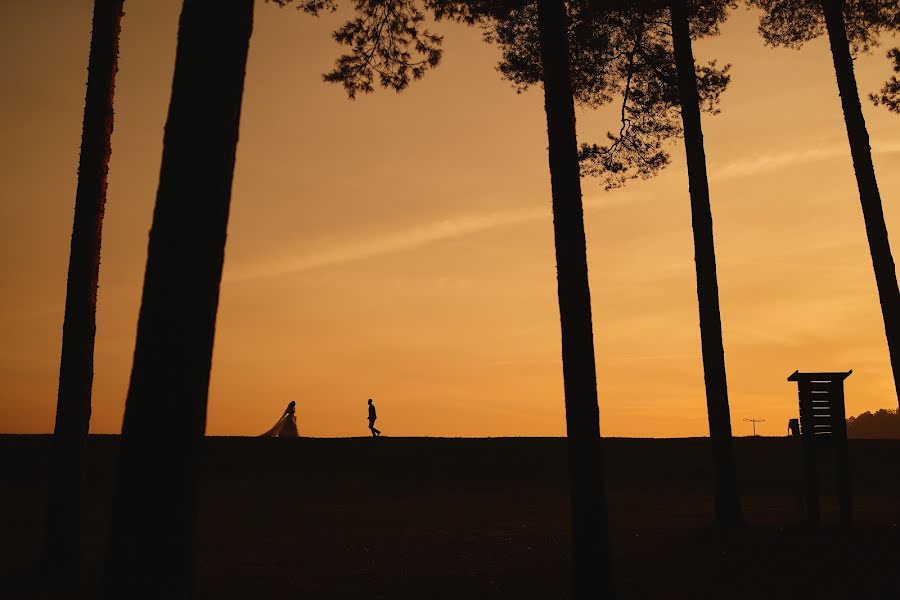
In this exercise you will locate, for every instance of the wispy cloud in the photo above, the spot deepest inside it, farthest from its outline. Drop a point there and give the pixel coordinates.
(397, 241)
(465, 225)
(760, 163)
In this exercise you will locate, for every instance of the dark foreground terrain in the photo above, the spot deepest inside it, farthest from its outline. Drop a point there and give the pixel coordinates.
(482, 518)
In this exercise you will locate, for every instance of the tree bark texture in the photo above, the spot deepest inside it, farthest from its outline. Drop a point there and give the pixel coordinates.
(869, 197)
(591, 564)
(727, 501)
(151, 549)
(62, 534)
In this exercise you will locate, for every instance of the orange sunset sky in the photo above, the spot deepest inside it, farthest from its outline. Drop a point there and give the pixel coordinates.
(400, 247)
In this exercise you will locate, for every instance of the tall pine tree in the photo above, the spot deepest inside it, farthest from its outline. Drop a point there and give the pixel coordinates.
(62, 530)
(151, 549)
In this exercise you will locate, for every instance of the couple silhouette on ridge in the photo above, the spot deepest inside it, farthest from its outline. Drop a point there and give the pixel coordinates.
(286, 426)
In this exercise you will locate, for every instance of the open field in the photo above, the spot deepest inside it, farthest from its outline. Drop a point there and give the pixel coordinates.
(464, 518)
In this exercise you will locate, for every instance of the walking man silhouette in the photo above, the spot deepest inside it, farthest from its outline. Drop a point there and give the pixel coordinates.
(372, 417)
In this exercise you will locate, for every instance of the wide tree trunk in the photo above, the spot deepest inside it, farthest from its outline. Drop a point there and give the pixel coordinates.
(869, 198)
(76, 369)
(727, 502)
(591, 564)
(151, 550)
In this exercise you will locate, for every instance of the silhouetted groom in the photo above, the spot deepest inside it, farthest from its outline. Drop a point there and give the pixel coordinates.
(372, 417)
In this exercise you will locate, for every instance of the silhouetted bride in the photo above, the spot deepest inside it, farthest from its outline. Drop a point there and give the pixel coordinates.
(286, 425)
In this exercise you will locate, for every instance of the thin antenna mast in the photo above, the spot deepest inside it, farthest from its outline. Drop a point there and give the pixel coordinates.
(755, 421)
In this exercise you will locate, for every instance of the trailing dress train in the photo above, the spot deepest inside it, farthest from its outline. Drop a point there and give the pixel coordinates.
(286, 426)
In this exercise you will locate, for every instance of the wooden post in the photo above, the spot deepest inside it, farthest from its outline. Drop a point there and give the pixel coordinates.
(842, 457)
(810, 466)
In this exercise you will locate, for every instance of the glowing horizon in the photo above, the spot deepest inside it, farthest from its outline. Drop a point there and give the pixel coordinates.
(400, 246)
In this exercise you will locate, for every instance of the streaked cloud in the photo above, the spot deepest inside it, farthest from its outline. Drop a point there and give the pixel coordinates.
(465, 225)
(397, 241)
(761, 163)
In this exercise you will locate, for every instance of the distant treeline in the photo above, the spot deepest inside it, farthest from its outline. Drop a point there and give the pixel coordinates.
(883, 423)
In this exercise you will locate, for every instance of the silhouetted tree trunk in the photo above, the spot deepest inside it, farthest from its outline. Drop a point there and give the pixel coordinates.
(151, 549)
(727, 503)
(76, 369)
(592, 570)
(870, 199)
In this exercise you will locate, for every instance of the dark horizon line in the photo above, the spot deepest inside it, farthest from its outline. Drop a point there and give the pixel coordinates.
(430, 437)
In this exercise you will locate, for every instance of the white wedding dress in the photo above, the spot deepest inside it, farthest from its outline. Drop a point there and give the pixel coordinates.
(286, 426)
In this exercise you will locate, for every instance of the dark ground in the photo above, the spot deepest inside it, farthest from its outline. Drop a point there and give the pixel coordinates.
(483, 518)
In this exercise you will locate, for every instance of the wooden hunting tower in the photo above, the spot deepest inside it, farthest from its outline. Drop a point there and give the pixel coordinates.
(823, 424)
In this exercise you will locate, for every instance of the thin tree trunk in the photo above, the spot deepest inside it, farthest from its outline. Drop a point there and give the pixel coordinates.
(76, 370)
(869, 198)
(591, 564)
(151, 550)
(727, 502)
